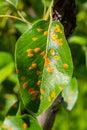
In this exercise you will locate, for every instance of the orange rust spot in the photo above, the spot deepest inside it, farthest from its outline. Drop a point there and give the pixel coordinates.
(25, 126)
(41, 90)
(4, 127)
(56, 57)
(47, 61)
(29, 50)
(60, 42)
(9, 128)
(50, 70)
(54, 36)
(66, 66)
(15, 105)
(34, 38)
(69, 100)
(46, 33)
(53, 95)
(31, 91)
(22, 78)
(17, 71)
(39, 29)
(40, 97)
(34, 65)
(52, 52)
(33, 98)
(30, 55)
(57, 29)
(49, 98)
(54, 40)
(71, 92)
(42, 53)
(60, 88)
(38, 82)
(36, 93)
(25, 85)
(38, 72)
(37, 50)
(45, 56)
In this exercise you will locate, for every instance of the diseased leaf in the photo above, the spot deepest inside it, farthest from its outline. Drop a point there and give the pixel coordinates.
(20, 123)
(70, 94)
(44, 64)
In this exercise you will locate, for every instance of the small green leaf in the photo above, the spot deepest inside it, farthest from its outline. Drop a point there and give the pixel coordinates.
(6, 71)
(44, 64)
(70, 94)
(20, 123)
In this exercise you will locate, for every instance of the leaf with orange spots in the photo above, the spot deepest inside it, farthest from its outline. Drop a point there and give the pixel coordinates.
(44, 59)
(70, 94)
(20, 123)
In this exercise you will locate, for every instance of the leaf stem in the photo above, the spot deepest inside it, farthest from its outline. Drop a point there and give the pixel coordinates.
(49, 11)
(44, 13)
(14, 17)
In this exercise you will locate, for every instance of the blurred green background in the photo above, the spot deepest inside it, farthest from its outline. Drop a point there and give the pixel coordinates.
(11, 30)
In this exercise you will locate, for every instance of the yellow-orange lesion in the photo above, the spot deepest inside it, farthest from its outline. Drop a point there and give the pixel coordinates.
(53, 95)
(39, 82)
(39, 30)
(25, 85)
(56, 57)
(34, 38)
(52, 52)
(69, 100)
(47, 61)
(41, 90)
(46, 33)
(66, 66)
(50, 70)
(33, 66)
(24, 126)
(56, 28)
(37, 49)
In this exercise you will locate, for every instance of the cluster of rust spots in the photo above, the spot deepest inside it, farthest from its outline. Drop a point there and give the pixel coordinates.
(31, 52)
(57, 29)
(34, 93)
(33, 66)
(6, 127)
(52, 96)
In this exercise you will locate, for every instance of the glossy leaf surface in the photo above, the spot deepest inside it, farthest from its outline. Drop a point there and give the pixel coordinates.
(44, 64)
(20, 123)
(70, 94)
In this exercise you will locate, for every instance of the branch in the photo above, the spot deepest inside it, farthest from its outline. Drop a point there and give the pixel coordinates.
(47, 119)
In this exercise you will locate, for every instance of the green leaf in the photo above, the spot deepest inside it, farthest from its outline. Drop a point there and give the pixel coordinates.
(70, 94)
(81, 40)
(10, 101)
(6, 71)
(20, 123)
(5, 59)
(44, 64)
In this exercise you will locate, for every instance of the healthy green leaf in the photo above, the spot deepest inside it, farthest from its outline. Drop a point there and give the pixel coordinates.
(6, 71)
(20, 123)
(70, 94)
(44, 64)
